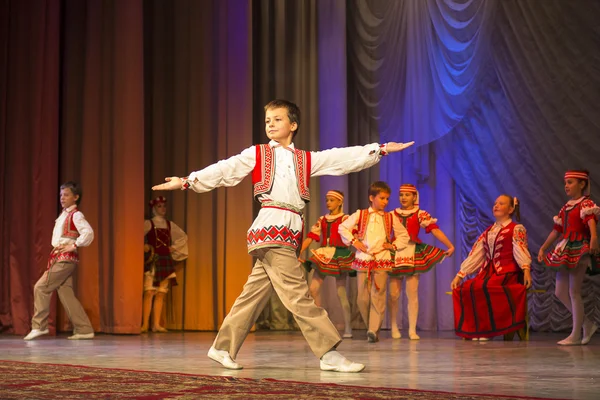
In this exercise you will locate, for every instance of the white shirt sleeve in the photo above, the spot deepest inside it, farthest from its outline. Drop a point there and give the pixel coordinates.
(400, 233)
(345, 160)
(147, 226)
(86, 233)
(520, 249)
(179, 243)
(346, 228)
(475, 259)
(226, 173)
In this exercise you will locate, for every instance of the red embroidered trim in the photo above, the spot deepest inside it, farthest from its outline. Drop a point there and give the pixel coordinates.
(69, 228)
(264, 170)
(302, 165)
(274, 235)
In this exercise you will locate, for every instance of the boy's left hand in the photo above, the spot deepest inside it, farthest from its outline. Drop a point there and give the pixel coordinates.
(64, 248)
(388, 246)
(393, 147)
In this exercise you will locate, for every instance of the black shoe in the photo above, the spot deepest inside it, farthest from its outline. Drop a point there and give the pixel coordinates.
(372, 337)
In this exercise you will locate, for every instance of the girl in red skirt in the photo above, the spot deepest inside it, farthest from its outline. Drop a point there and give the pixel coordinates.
(576, 253)
(169, 243)
(333, 258)
(493, 303)
(417, 258)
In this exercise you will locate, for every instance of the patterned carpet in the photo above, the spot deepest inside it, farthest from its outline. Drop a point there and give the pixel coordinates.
(51, 381)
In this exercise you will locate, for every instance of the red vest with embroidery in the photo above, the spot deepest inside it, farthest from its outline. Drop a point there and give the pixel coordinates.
(573, 226)
(411, 223)
(69, 228)
(264, 171)
(363, 221)
(334, 236)
(503, 260)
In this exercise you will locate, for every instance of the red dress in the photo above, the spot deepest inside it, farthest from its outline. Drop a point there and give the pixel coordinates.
(572, 224)
(333, 257)
(493, 303)
(160, 239)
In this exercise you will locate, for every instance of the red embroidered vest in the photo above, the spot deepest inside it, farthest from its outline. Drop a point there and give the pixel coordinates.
(264, 171)
(411, 223)
(69, 228)
(503, 261)
(573, 226)
(363, 221)
(334, 236)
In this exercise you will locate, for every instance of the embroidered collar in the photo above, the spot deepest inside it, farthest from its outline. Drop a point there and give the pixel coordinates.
(504, 224)
(330, 217)
(273, 144)
(572, 203)
(371, 211)
(69, 209)
(406, 213)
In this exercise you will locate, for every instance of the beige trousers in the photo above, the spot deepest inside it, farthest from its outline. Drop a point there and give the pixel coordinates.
(371, 298)
(277, 269)
(59, 278)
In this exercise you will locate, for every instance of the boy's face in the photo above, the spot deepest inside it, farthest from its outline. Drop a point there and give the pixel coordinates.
(67, 198)
(278, 126)
(407, 200)
(380, 201)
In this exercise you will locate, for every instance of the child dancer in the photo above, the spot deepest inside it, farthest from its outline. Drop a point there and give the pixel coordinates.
(281, 175)
(417, 258)
(494, 302)
(71, 231)
(371, 232)
(169, 243)
(333, 258)
(576, 253)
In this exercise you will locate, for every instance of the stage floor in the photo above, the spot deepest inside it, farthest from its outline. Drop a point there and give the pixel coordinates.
(439, 361)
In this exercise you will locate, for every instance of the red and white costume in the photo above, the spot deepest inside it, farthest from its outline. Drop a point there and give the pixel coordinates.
(494, 302)
(334, 256)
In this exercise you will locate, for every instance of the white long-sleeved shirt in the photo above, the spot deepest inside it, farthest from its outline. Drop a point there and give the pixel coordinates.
(375, 237)
(477, 257)
(276, 227)
(86, 233)
(179, 239)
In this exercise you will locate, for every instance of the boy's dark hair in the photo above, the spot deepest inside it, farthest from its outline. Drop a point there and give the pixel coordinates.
(378, 187)
(293, 111)
(75, 189)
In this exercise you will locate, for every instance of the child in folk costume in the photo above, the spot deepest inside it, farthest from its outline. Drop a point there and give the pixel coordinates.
(280, 174)
(71, 231)
(576, 253)
(333, 258)
(493, 303)
(417, 258)
(374, 233)
(169, 245)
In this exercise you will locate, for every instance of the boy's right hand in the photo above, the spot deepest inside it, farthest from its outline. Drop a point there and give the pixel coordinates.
(172, 183)
(358, 245)
(393, 147)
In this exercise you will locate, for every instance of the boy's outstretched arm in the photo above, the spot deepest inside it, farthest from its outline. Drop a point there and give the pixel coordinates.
(226, 173)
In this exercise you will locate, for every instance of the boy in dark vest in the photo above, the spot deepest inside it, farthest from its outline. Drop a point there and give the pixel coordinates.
(280, 174)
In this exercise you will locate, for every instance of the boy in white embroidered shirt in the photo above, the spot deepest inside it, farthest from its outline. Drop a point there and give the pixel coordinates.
(71, 231)
(281, 175)
(374, 234)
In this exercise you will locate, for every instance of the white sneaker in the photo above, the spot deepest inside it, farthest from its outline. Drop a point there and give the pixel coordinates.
(223, 358)
(36, 333)
(334, 361)
(81, 336)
